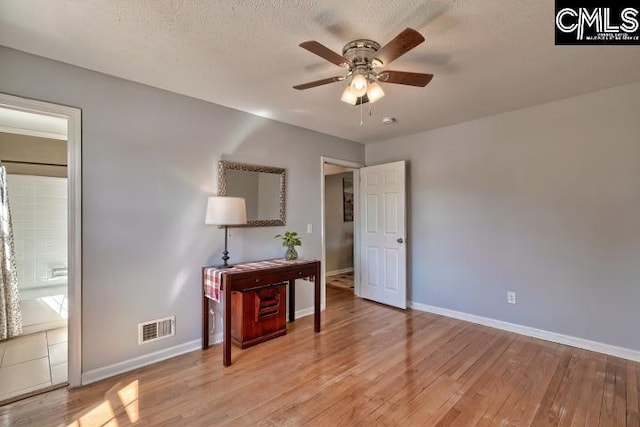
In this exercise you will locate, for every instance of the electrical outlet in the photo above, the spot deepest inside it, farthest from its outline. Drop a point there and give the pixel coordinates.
(511, 297)
(309, 228)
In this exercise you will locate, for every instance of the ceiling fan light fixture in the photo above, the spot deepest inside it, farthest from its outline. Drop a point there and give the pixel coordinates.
(374, 92)
(359, 84)
(364, 60)
(348, 96)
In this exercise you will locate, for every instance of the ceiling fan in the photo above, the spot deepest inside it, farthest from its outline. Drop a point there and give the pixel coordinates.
(363, 58)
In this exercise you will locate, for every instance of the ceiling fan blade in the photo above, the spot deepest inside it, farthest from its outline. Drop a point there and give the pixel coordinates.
(405, 78)
(326, 53)
(401, 44)
(318, 83)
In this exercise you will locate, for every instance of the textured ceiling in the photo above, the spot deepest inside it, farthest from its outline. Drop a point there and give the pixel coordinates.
(488, 56)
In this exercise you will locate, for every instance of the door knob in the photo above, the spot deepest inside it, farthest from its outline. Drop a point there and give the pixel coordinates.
(400, 240)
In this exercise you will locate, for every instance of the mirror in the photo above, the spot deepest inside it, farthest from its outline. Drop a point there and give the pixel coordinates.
(262, 187)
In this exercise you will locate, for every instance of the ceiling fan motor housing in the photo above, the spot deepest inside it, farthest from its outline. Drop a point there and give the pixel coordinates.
(361, 53)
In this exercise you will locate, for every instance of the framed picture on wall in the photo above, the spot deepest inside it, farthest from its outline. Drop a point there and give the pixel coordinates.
(347, 198)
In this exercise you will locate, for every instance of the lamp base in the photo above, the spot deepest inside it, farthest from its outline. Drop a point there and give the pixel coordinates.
(225, 253)
(222, 266)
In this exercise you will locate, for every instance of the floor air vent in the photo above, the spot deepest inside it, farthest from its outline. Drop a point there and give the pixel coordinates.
(156, 329)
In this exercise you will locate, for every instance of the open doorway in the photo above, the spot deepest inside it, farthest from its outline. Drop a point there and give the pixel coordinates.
(40, 165)
(339, 225)
(379, 230)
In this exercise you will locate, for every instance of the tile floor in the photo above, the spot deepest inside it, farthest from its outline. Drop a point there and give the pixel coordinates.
(44, 313)
(31, 362)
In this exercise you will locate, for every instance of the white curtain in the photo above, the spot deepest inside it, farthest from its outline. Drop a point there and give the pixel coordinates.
(10, 313)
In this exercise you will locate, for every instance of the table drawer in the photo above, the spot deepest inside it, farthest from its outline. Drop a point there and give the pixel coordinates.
(258, 315)
(251, 281)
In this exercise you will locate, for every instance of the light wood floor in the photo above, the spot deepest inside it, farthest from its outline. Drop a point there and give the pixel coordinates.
(341, 281)
(370, 366)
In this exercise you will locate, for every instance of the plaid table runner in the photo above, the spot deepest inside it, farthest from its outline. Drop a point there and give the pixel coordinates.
(213, 276)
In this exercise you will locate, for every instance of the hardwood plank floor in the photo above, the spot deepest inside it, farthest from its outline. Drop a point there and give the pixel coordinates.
(371, 365)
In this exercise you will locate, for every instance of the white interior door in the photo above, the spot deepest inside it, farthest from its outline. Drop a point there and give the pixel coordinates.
(383, 251)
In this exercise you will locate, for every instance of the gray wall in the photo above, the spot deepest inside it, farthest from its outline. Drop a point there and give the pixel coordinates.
(544, 201)
(338, 234)
(149, 162)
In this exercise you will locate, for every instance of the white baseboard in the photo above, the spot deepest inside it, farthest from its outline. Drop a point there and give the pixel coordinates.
(138, 362)
(305, 312)
(215, 339)
(158, 356)
(585, 344)
(336, 272)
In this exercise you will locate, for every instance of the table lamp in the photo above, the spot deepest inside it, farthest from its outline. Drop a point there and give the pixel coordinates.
(226, 211)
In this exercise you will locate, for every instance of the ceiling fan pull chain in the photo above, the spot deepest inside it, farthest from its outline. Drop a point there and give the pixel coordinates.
(361, 112)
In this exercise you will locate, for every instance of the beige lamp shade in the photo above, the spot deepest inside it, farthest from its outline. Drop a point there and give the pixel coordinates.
(226, 211)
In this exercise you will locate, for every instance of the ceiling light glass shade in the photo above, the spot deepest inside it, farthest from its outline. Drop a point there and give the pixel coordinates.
(374, 92)
(348, 96)
(359, 85)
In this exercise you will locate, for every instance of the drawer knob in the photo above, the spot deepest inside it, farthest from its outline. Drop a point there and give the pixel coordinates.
(257, 280)
(299, 273)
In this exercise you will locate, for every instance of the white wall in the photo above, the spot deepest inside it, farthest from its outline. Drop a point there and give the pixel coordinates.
(39, 216)
(149, 162)
(33, 149)
(544, 201)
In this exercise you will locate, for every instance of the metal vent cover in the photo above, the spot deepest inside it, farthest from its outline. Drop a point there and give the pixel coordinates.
(156, 329)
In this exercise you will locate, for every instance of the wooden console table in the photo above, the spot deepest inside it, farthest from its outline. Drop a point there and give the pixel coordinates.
(247, 276)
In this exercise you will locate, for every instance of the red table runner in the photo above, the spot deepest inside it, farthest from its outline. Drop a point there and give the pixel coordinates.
(213, 275)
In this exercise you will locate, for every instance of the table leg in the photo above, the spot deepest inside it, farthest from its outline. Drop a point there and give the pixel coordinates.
(316, 300)
(205, 321)
(226, 359)
(292, 301)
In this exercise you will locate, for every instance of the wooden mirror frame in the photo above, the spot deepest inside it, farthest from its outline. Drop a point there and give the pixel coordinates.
(224, 166)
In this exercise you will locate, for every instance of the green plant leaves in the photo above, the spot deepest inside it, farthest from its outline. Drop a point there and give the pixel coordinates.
(290, 238)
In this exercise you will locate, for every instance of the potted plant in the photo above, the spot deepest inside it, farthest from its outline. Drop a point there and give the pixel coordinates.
(290, 239)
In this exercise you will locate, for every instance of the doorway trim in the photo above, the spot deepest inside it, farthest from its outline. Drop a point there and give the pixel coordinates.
(356, 223)
(74, 250)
